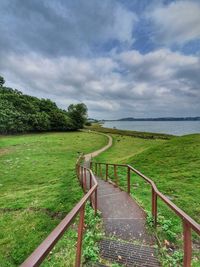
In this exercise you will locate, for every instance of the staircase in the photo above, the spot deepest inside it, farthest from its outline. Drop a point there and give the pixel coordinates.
(127, 241)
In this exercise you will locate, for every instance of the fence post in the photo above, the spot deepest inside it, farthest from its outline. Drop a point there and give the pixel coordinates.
(106, 172)
(154, 206)
(90, 188)
(128, 180)
(95, 202)
(95, 168)
(85, 182)
(187, 244)
(81, 176)
(80, 237)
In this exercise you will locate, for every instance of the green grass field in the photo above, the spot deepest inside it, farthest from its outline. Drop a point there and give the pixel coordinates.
(38, 187)
(173, 165)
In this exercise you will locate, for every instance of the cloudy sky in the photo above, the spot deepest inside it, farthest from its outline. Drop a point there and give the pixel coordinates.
(136, 58)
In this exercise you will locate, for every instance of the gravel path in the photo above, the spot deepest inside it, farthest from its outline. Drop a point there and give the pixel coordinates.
(97, 152)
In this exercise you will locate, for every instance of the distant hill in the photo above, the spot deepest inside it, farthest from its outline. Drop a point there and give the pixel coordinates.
(159, 119)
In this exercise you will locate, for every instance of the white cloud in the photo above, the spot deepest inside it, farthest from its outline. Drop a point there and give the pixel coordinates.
(160, 83)
(179, 22)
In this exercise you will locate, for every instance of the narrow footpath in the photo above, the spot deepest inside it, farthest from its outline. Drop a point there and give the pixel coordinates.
(126, 240)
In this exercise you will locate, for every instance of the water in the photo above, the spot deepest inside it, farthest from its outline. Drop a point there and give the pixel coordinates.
(167, 127)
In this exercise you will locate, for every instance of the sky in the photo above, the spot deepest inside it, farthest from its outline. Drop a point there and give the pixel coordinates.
(128, 58)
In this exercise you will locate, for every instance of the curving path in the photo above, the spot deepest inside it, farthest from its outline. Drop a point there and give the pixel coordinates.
(89, 156)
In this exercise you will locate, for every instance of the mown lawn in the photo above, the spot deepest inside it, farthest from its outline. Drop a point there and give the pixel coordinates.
(174, 166)
(125, 147)
(38, 187)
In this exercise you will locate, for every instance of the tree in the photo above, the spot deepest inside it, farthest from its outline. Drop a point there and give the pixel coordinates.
(2, 81)
(40, 122)
(78, 115)
(20, 113)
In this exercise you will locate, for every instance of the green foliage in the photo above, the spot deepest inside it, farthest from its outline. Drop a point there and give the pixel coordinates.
(92, 235)
(116, 265)
(21, 113)
(174, 259)
(78, 114)
(2, 81)
(163, 225)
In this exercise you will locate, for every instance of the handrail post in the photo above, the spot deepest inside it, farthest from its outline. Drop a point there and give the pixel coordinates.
(187, 244)
(90, 188)
(95, 203)
(80, 237)
(95, 168)
(81, 176)
(85, 182)
(106, 172)
(128, 180)
(90, 165)
(154, 206)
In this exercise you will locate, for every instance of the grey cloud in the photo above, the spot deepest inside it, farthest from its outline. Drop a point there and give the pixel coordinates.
(63, 27)
(168, 86)
(53, 49)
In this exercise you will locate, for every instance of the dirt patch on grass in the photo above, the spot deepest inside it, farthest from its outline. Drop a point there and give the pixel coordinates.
(4, 151)
(50, 213)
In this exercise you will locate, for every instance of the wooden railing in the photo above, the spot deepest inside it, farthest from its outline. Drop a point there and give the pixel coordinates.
(188, 223)
(42, 251)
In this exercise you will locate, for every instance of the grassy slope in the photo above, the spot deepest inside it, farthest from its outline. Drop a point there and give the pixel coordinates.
(37, 187)
(174, 166)
(125, 147)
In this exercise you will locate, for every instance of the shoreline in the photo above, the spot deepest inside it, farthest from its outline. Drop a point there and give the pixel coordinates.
(146, 135)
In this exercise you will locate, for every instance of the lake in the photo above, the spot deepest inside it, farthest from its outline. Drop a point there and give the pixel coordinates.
(167, 127)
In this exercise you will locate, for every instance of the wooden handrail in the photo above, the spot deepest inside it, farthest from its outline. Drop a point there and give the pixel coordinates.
(188, 222)
(41, 252)
(193, 224)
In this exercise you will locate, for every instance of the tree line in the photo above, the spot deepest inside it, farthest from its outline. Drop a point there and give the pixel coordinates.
(20, 113)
